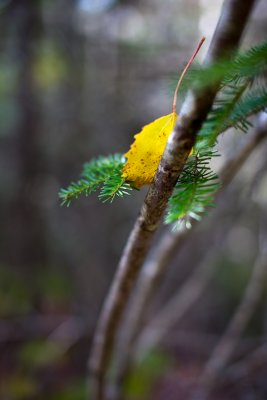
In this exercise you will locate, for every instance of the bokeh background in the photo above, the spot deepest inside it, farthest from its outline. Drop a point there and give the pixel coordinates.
(78, 78)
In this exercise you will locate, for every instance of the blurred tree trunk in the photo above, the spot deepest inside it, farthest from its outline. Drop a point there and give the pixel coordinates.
(28, 239)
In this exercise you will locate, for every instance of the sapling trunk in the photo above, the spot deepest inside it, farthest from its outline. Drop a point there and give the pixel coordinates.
(193, 114)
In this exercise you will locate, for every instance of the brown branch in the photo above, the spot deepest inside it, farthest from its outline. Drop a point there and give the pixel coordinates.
(157, 264)
(193, 114)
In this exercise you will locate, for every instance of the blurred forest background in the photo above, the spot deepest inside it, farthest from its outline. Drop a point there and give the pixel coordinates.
(78, 78)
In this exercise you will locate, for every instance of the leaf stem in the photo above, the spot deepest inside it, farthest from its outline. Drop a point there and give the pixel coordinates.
(184, 72)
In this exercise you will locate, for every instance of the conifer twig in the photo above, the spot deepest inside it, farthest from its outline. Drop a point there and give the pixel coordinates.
(194, 111)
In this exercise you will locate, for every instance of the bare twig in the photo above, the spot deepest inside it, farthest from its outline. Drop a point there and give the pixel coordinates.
(193, 113)
(156, 265)
(224, 349)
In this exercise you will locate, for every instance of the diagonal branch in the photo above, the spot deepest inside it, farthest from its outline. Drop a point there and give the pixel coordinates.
(193, 114)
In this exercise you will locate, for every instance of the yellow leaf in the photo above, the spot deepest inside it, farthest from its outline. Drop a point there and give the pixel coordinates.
(145, 153)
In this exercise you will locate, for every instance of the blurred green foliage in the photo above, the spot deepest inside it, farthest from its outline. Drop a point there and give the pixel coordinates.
(8, 109)
(232, 278)
(50, 68)
(75, 390)
(18, 386)
(40, 353)
(15, 297)
(17, 294)
(139, 384)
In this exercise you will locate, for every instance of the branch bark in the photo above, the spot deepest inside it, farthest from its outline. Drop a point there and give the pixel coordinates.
(194, 111)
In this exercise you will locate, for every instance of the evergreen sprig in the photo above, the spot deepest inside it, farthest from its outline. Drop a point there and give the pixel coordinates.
(244, 65)
(193, 192)
(238, 98)
(102, 172)
(252, 102)
(248, 64)
(114, 186)
(216, 121)
(232, 108)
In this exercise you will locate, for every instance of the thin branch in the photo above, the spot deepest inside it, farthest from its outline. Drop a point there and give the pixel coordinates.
(193, 114)
(224, 349)
(158, 262)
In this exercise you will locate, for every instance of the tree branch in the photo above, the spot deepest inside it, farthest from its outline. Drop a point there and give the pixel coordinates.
(193, 114)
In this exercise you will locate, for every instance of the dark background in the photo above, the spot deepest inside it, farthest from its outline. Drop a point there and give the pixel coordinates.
(79, 79)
